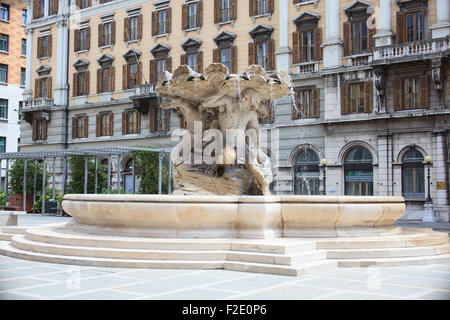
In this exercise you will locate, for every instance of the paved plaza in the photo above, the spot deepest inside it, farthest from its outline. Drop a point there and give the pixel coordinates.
(22, 279)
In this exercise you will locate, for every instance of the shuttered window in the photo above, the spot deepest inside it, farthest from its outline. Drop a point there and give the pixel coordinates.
(105, 124)
(263, 54)
(414, 26)
(307, 103)
(132, 76)
(159, 120)
(105, 79)
(411, 93)
(82, 4)
(38, 9)
(44, 46)
(82, 39)
(359, 37)
(356, 98)
(192, 15)
(39, 129)
(52, 7)
(131, 122)
(43, 87)
(80, 126)
(225, 57)
(225, 10)
(192, 61)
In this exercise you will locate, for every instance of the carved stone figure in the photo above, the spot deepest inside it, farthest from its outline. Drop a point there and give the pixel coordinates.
(233, 105)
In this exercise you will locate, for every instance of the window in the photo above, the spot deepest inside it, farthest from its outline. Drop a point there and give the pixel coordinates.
(52, 7)
(132, 75)
(162, 120)
(358, 172)
(262, 50)
(39, 129)
(84, 3)
(43, 87)
(80, 126)
(225, 57)
(356, 97)
(3, 109)
(38, 9)
(161, 63)
(261, 7)
(307, 46)
(161, 67)
(262, 54)
(4, 42)
(225, 10)
(414, 26)
(193, 56)
(411, 93)
(4, 11)
(82, 40)
(162, 20)
(23, 76)
(134, 27)
(24, 16)
(359, 39)
(192, 15)
(107, 34)
(131, 122)
(105, 122)
(81, 83)
(192, 61)
(307, 173)
(105, 79)
(3, 73)
(2, 144)
(24, 47)
(44, 46)
(307, 102)
(413, 175)
(307, 39)
(226, 52)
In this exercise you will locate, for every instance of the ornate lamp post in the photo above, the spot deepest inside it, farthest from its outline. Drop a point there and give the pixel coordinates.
(428, 208)
(323, 164)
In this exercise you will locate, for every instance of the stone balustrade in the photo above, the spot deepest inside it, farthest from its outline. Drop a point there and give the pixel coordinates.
(419, 48)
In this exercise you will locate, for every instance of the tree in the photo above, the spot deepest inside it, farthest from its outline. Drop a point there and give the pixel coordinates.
(16, 176)
(76, 165)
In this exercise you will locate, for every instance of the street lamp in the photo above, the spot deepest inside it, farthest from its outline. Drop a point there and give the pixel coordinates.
(428, 215)
(323, 163)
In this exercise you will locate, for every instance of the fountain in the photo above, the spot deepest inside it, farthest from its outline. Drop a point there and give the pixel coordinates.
(222, 214)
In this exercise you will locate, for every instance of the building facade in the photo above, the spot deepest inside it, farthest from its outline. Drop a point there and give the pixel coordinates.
(371, 83)
(13, 18)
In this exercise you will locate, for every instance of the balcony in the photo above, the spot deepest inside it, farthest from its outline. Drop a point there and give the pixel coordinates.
(307, 67)
(144, 97)
(359, 60)
(411, 51)
(39, 103)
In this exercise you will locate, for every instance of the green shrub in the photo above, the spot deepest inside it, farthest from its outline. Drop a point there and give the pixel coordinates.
(16, 176)
(76, 185)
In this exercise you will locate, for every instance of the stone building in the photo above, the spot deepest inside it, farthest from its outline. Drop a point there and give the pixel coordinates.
(13, 18)
(371, 83)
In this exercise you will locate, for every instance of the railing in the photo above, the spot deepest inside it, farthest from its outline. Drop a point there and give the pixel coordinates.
(359, 60)
(309, 67)
(39, 102)
(412, 49)
(144, 89)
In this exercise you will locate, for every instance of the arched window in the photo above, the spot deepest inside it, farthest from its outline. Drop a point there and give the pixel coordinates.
(307, 173)
(358, 171)
(413, 174)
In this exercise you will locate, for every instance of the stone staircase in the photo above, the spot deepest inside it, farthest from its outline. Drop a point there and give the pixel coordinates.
(282, 256)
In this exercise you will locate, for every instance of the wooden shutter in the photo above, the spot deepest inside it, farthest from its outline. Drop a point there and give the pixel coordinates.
(169, 64)
(74, 127)
(75, 84)
(113, 32)
(125, 76)
(49, 87)
(99, 80)
(49, 46)
(112, 81)
(315, 102)
(184, 16)
(296, 47)
(344, 98)
(251, 53)
(398, 94)
(347, 39)
(97, 125)
(217, 11)
(138, 122)
(270, 6)
(154, 23)
(140, 26)
(199, 14)
(85, 126)
(55, 6)
(44, 129)
(86, 82)
(153, 71)
(152, 117)
(39, 47)
(233, 59)
(199, 62)
(233, 10)
(76, 40)
(318, 43)
(423, 93)
(183, 59)
(169, 20)
(126, 29)
(371, 39)
(139, 74)
(251, 8)
(216, 55)
(401, 27)
(37, 87)
(111, 124)
(36, 6)
(101, 35)
(271, 54)
(124, 122)
(368, 96)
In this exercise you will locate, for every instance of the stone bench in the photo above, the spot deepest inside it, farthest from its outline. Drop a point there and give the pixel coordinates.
(10, 218)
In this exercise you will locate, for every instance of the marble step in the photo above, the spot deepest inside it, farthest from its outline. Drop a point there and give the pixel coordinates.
(278, 259)
(14, 230)
(394, 262)
(388, 252)
(401, 241)
(295, 270)
(64, 237)
(5, 237)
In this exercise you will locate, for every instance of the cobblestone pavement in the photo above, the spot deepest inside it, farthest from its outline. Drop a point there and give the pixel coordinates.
(22, 279)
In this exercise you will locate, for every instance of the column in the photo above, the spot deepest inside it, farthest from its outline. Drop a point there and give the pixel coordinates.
(384, 164)
(27, 93)
(439, 176)
(442, 27)
(332, 47)
(62, 87)
(384, 34)
(283, 53)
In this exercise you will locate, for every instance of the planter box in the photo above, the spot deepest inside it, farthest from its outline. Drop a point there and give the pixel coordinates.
(16, 201)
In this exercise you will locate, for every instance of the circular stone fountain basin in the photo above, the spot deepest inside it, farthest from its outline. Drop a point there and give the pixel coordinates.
(171, 216)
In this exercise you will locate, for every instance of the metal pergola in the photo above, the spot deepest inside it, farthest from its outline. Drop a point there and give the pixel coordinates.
(119, 152)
